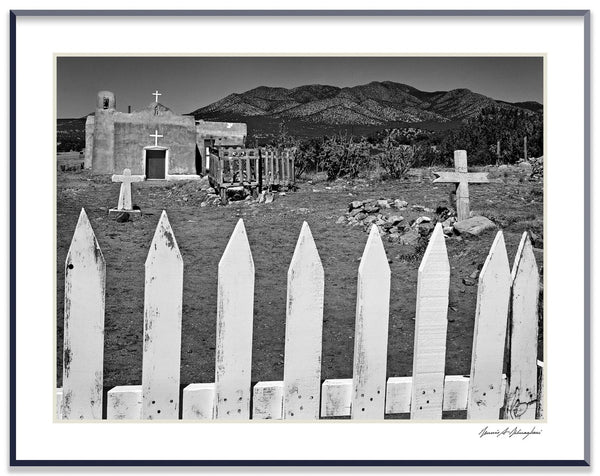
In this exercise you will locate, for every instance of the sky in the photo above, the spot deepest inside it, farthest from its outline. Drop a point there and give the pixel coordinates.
(187, 83)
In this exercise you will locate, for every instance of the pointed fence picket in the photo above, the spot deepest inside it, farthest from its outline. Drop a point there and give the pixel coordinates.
(431, 325)
(235, 309)
(491, 315)
(303, 331)
(83, 348)
(522, 395)
(162, 325)
(371, 331)
(503, 297)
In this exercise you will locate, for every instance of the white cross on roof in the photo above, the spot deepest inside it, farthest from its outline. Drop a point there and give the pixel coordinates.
(156, 94)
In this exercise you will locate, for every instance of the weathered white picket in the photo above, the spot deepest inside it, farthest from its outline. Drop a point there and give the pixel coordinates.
(83, 354)
(503, 298)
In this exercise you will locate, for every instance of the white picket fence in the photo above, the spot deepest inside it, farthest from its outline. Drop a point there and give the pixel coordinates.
(506, 302)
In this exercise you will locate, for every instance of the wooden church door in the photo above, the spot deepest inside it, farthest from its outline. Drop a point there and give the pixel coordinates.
(155, 164)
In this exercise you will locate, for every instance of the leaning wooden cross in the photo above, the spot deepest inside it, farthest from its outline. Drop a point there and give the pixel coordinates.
(461, 177)
(125, 194)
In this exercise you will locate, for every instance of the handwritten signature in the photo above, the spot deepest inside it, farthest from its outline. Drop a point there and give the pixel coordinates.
(510, 432)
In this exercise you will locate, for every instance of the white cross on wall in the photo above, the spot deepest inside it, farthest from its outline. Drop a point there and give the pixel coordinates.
(156, 94)
(156, 135)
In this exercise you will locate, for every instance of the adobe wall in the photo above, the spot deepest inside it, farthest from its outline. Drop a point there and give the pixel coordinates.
(132, 134)
(104, 134)
(89, 142)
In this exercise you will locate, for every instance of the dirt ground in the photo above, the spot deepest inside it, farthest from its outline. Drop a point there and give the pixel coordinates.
(515, 204)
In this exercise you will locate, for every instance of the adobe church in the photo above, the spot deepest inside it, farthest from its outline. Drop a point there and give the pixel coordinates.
(154, 143)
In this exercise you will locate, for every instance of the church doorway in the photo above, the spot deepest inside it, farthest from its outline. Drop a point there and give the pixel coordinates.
(156, 164)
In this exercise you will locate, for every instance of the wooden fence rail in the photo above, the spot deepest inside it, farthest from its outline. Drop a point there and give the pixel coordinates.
(505, 300)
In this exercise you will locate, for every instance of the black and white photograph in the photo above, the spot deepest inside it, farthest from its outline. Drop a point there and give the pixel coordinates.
(300, 238)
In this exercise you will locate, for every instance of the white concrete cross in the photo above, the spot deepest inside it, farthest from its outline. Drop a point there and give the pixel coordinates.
(125, 194)
(156, 94)
(461, 177)
(156, 135)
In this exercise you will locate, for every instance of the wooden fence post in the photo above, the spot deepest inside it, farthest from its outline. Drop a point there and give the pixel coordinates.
(303, 331)
(83, 348)
(522, 385)
(431, 325)
(163, 295)
(371, 331)
(491, 317)
(235, 307)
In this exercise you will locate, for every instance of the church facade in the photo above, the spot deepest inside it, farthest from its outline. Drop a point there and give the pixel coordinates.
(154, 143)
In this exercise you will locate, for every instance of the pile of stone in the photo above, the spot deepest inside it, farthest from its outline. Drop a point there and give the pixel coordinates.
(405, 228)
(405, 225)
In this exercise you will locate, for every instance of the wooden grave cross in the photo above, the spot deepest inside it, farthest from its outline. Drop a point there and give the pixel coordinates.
(461, 177)
(125, 194)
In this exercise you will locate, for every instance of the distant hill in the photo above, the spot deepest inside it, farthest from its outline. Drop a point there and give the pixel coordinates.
(319, 109)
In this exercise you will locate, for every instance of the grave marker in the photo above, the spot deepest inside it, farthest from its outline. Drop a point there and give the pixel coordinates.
(124, 204)
(461, 177)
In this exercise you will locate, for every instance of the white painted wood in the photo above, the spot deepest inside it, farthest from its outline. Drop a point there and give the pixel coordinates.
(83, 348)
(489, 337)
(124, 402)
(125, 193)
(303, 331)
(371, 331)
(398, 395)
(336, 398)
(539, 414)
(462, 188)
(431, 324)
(198, 401)
(235, 305)
(456, 392)
(59, 396)
(337, 394)
(522, 388)
(455, 177)
(162, 325)
(267, 402)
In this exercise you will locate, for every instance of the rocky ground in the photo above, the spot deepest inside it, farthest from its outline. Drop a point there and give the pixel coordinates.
(339, 214)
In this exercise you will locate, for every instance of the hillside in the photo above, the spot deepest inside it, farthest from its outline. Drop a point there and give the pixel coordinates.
(319, 109)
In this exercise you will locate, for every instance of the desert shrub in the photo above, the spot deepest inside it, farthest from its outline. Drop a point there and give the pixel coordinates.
(396, 158)
(344, 156)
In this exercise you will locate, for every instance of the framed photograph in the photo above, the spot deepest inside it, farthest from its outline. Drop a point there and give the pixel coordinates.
(336, 232)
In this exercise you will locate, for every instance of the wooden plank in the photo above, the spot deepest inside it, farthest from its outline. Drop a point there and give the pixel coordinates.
(455, 177)
(491, 319)
(540, 409)
(303, 330)
(83, 345)
(124, 403)
(336, 398)
(162, 325)
(371, 331)
(522, 387)
(431, 324)
(248, 171)
(462, 188)
(59, 397)
(198, 401)
(268, 401)
(235, 304)
(337, 395)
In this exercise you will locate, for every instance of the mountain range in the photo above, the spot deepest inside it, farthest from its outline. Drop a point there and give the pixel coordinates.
(372, 105)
